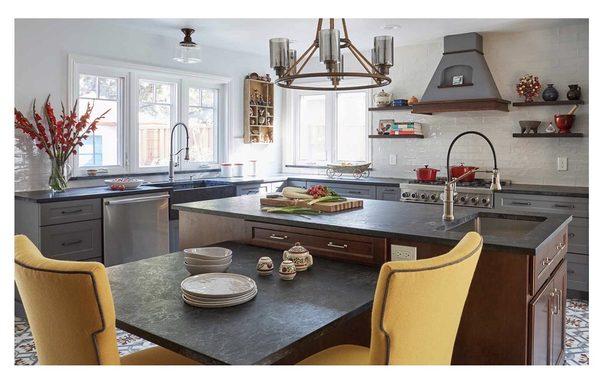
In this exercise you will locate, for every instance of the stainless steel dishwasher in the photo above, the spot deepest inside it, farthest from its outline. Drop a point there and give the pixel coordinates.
(135, 227)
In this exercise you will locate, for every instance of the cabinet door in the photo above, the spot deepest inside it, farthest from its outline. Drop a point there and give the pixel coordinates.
(540, 310)
(558, 313)
(388, 193)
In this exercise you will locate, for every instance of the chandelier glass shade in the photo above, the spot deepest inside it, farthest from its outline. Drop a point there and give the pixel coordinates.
(328, 41)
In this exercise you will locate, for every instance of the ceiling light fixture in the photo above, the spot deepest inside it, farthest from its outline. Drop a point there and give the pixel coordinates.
(188, 51)
(329, 43)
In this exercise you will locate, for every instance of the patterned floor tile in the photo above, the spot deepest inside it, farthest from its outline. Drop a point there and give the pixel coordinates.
(576, 341)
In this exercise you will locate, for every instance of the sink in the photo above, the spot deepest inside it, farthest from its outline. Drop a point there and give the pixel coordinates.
(497, 224)
(188, 184)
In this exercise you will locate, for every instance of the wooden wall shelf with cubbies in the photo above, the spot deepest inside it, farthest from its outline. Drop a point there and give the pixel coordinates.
(259, 111)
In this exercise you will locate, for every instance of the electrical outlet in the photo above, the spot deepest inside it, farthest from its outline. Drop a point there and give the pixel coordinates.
(562, 164)
(404, 253)
(392, 159)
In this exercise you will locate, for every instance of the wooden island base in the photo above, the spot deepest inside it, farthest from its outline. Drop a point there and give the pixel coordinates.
(515, 311)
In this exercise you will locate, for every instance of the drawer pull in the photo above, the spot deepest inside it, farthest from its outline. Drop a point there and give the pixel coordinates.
(355, 192)
(559, 246)
(569, 206)
(521, 203)
(71, 211)
(570, 271)
(547, 261)
(71, 243)
(279, 237)
(331, 244)
(571, 235)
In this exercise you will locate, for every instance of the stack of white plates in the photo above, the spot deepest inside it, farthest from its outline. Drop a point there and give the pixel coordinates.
(217, 290)
(207, 259)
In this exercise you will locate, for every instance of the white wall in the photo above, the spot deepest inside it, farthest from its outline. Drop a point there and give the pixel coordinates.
(41, 50)
(558, 55)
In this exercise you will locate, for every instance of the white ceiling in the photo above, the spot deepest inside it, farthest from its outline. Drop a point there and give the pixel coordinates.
(252, 35)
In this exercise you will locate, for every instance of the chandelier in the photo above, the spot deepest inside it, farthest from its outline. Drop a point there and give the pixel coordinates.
(329, 44)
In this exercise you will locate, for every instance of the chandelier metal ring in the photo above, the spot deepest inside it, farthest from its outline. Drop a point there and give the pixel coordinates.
(287, 82)
(329, 42)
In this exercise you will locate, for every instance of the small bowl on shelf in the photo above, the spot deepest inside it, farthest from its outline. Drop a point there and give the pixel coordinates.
(529, 126)
(564, 122)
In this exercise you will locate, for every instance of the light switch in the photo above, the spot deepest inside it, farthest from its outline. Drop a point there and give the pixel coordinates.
(392, 159)
(562, 164)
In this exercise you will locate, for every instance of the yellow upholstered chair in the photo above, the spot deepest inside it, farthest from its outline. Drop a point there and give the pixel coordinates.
(416, 311)
(70, 309)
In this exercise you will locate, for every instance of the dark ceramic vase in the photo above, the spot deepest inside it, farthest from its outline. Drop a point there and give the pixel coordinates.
(574, 93)
(550, 93)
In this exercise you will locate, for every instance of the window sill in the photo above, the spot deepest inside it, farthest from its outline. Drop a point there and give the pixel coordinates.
(108, 176)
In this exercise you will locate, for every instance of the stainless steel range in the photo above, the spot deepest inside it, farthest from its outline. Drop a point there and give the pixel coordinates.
(469, 194)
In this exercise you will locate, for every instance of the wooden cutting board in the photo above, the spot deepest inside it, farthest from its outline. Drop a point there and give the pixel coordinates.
(325, 207)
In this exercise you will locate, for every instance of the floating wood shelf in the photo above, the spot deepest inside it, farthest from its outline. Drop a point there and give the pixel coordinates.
(388, 108)
(461, 105)
(547, 135)
(450, 86)
(396, 136)
(549, 103)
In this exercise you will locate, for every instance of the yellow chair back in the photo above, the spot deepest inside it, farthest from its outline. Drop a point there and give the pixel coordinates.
(418, 306)
(69, 307)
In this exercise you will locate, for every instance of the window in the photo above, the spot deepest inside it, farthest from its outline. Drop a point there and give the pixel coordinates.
(103, 148)
(155, 120)
(330, 127)
(145, 102)
(202, 124)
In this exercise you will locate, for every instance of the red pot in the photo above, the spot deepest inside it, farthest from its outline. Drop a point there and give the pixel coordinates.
(426, 174)
(459, 170)
(564, 122)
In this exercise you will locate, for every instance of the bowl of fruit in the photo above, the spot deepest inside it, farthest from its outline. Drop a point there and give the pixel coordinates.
(123, 183)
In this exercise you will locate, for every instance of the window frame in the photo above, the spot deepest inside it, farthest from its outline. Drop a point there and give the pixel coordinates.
(122, 119)
(331, 143)
(132, 72)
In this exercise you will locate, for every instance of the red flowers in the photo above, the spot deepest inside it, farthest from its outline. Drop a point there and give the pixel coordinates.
(62, 136)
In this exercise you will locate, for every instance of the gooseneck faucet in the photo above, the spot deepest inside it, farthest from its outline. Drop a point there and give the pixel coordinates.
(172, 164)
(449, 187)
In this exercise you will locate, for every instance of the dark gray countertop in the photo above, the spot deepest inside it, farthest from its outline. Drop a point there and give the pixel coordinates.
(148, 303)
(82, 193)
(384, 219)
(92, 192)
(550, 190)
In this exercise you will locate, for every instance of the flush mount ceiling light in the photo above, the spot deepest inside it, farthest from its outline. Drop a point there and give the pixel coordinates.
(329, 43)
(188, 51)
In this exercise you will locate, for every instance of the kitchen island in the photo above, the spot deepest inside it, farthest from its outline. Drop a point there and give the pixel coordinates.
(514, 313)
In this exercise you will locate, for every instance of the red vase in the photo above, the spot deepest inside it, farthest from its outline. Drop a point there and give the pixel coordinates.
(564, 122)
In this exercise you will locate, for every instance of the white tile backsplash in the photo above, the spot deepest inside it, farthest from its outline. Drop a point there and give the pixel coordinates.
(557, 55)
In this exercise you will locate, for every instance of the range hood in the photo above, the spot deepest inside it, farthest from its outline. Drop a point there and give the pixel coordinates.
(462, 80)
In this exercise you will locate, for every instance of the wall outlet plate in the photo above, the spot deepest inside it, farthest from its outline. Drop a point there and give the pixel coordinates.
(403, 253)
(392, 159)
(562, 164)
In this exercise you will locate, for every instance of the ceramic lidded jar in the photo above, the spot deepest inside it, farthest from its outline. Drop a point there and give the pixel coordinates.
(300, 256)
(287, 270)
(264, 266)
(382, 98)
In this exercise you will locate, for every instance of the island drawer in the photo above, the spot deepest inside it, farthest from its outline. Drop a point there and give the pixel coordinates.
(549, 257)
(74, 241)
(355, 191)
(543, 203)
(70, 211)
(349, 247)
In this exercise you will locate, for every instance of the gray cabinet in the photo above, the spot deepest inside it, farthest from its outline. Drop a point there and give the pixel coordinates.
(388, 193)
(350, 190)
(578, 246)
(256, 188)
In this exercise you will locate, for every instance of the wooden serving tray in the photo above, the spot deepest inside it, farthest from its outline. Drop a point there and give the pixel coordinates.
(325, 207)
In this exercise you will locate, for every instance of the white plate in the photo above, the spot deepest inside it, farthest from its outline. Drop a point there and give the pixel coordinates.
(128, 184)
(223, 304)
(199, 261)
(219, 301)
(225, 285)
(208, 252)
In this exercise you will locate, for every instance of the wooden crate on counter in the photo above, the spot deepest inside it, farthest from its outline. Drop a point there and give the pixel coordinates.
(259, 111)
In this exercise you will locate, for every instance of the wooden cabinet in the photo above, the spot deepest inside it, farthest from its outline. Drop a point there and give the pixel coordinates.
(547, 322)
(347, 247)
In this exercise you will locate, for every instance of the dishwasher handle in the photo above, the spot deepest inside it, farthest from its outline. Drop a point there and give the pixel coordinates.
(135, 200)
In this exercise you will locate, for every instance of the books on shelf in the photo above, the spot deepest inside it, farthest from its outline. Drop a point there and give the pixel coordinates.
(405, 128)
